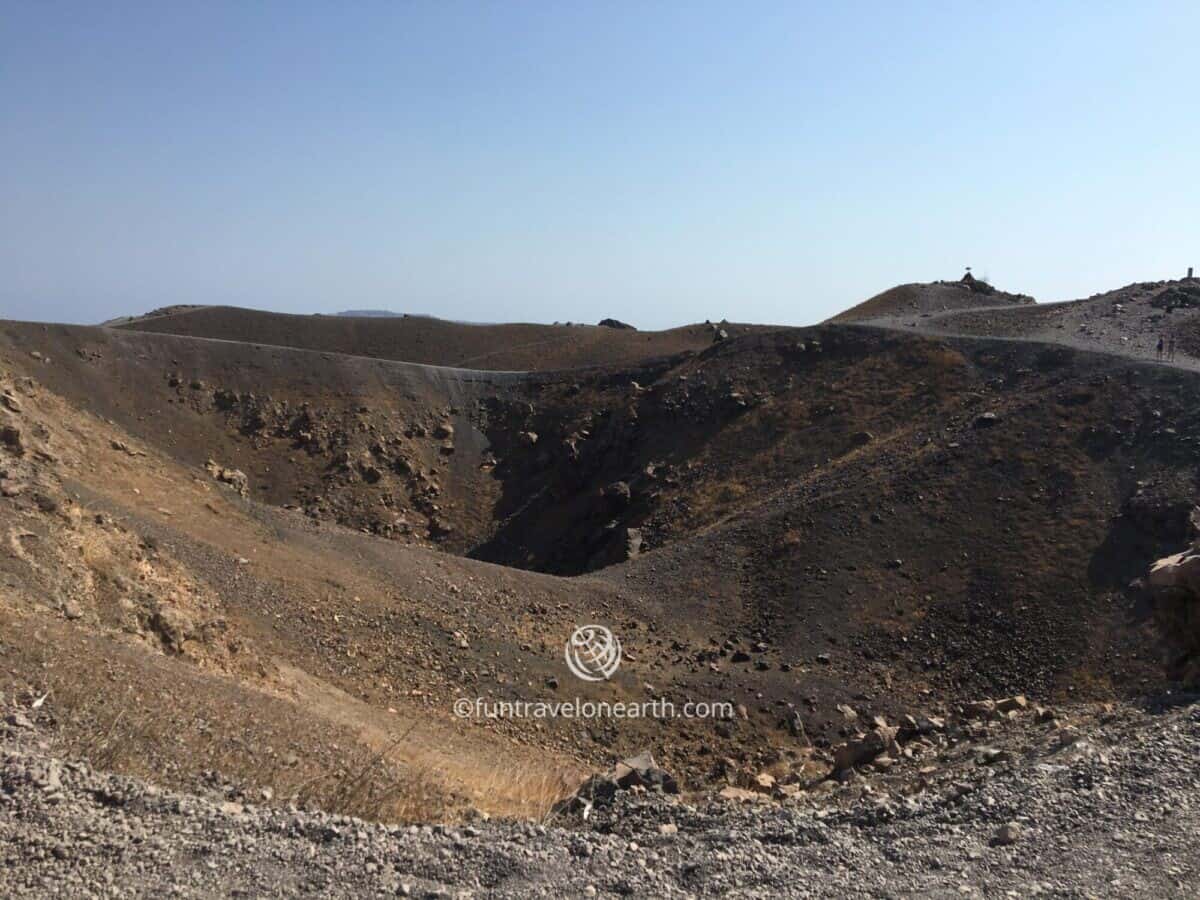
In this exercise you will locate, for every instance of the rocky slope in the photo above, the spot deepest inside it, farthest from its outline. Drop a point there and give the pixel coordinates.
(272, 571)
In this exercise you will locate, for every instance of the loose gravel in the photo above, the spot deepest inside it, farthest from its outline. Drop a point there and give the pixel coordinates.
(1112, 812)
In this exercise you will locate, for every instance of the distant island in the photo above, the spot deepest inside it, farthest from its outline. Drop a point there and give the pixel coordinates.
(375, 313)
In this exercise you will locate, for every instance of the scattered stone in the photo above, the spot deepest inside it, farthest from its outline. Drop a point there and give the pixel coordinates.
(10, 437)
(763, 781)
(235, 478)
(1007, 834)
(1012, 704)
(980, 709)
(618, 492)
(173, 626)
(795, 726)
(863, 749)
(642, 771)
(1174, 583)
(988, 756)
(739, 795)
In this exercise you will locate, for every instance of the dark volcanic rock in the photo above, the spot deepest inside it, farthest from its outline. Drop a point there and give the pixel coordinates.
(616, 323)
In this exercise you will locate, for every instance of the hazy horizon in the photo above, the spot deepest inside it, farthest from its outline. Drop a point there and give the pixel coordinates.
(659, 165)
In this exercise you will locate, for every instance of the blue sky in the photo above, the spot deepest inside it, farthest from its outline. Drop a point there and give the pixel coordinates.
(661, 163)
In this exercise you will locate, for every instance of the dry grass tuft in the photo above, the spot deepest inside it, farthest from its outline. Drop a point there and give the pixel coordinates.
(130, 734)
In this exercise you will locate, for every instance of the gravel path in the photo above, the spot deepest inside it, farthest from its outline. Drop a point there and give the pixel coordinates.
(1125, 322)
(1109, 809)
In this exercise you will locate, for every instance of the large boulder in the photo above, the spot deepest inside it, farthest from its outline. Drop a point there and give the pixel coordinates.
(1174, 582)
(641, 770)
(864, 748)
(616, 323)
(10, 437)
(173, 626)
(601, 789)
(1178, 572)
(1166, 513)
(235, 478)
(976, 285)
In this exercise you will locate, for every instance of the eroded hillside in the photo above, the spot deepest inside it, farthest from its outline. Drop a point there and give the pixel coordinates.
(300, 549)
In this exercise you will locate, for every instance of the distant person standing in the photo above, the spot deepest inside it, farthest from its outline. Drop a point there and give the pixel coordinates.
(1159, 348)
(1171, 347)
